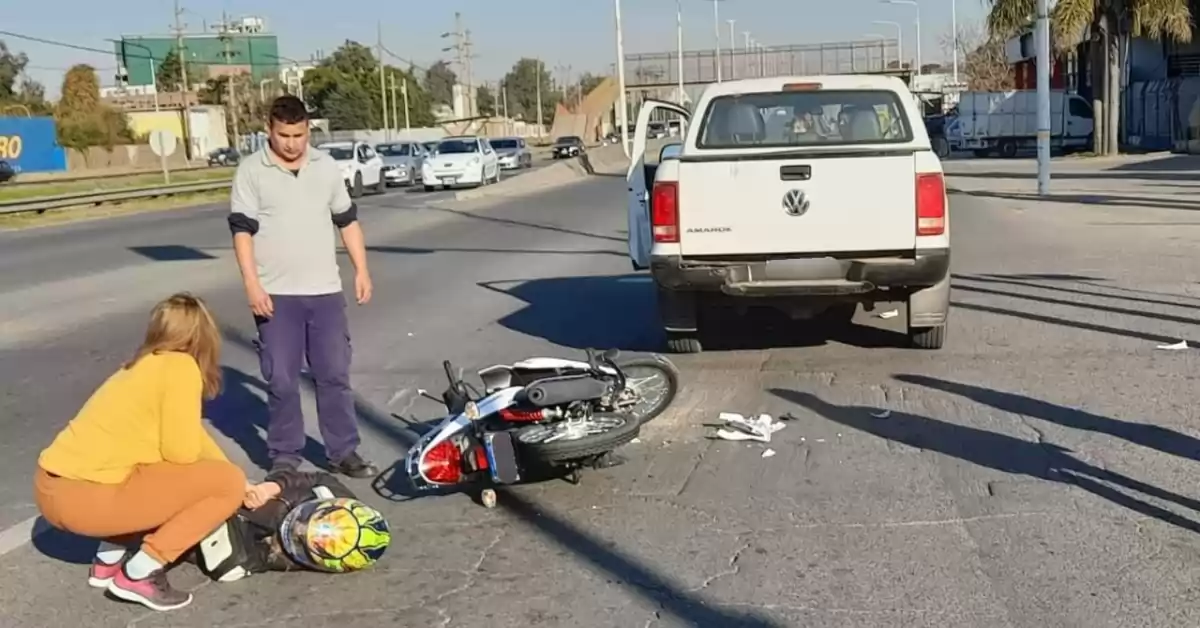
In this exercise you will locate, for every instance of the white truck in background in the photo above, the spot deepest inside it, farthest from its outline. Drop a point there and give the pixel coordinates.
(1006, 122)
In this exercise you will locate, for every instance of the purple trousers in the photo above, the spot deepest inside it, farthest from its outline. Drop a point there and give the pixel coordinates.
(312, 329)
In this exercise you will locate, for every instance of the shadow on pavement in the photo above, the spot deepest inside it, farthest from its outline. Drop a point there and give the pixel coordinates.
(1041, 460)
(240, 414)
(521, 223)
(62, 545)
(171, 253)
(1086, 199)
(601, 312)
(1054, 320)
(1014, 280)
(408, 250)
(626, 570)
(1170, 318)
(1150, 436)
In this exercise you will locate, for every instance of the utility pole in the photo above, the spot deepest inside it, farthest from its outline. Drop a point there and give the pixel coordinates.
(183, 81)
(507, 120)
(539, 97)
(383, 99)
(404, 93)
(395, 102)
(227, 55)
(1042, 46)
(462, 48)
(733, 56)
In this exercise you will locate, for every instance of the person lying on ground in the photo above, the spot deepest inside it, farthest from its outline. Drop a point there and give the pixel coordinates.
(295, 521)
(137, 459)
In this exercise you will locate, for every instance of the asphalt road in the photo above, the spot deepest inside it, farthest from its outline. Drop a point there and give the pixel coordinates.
(1037, 472)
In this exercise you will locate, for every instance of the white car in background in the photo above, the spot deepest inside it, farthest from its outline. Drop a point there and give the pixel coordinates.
(461, 160)
(361, 166)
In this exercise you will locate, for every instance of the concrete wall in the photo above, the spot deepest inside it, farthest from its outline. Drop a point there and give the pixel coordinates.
(132, 157)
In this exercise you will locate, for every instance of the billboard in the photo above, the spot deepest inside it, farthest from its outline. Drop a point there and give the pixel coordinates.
(31, 144)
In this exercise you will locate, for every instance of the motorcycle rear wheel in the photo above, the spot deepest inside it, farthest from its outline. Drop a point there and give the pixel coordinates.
(624, 429)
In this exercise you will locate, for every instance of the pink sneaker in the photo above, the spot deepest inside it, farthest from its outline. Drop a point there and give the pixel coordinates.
(153, 592)
(102, 573)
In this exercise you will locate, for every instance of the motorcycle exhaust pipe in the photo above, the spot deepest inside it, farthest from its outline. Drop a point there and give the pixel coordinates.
(556, 392)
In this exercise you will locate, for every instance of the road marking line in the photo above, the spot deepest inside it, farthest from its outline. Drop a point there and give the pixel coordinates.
(16, 536)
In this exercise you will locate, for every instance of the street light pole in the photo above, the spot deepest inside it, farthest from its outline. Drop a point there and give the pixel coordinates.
(954, 25)
(1042, 45)
(916, 6)
(717, 32)
(899, 41)
(732, 49)
(623, 114)
(679, 44)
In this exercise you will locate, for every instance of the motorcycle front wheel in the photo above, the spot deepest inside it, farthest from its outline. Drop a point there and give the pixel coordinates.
(565, 440)
(654, 381)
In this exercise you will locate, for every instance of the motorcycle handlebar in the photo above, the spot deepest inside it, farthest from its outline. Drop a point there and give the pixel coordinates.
(449, 368)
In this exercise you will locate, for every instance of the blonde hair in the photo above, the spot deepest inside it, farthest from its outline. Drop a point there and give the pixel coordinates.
(182, 323)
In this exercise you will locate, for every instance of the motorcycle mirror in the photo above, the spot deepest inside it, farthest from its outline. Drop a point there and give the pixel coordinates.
(612, 354)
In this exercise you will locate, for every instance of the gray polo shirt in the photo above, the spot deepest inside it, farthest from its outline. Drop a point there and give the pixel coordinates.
(294, 218)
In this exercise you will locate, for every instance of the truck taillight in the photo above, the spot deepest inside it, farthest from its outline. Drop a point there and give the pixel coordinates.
(931, 204)
(664, 212)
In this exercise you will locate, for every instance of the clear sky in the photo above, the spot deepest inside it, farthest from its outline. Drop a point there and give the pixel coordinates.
(576, 33)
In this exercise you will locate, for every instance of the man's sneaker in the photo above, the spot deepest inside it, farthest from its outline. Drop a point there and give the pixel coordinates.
(103, 573)
(153, 592)
(355, 467)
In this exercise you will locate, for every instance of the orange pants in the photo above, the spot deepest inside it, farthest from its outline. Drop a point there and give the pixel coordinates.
(175, 505)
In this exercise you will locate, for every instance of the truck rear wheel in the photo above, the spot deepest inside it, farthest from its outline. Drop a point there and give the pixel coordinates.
(683, 343)
(1008, 149)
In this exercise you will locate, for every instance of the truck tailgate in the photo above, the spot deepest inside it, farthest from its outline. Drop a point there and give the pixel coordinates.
(843, 202)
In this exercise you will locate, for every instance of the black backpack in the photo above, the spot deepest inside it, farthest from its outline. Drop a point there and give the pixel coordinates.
(248, 543)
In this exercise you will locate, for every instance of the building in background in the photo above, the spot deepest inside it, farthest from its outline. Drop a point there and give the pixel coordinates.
(255, 51)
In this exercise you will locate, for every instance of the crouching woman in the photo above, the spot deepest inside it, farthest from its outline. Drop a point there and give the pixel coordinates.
(137, 462)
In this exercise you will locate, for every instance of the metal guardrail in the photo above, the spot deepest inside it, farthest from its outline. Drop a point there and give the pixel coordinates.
(19, 182)
(78, 199)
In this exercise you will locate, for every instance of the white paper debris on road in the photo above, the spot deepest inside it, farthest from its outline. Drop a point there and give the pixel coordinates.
(741, 428)
(1179, 346)
(768, 453)
(889, 314)
(882, 414)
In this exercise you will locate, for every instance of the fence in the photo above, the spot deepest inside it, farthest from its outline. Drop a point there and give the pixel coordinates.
(662, 69)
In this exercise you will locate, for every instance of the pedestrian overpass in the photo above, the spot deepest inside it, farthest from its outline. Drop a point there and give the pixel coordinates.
(661, 70)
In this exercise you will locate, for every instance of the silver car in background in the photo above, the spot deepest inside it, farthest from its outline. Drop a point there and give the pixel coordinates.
(513, 152)
(402, 162)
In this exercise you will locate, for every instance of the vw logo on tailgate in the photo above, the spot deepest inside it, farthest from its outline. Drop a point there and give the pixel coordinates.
(795, 203)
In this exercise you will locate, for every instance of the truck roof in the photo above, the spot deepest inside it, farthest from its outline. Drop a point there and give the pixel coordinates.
(827, 81)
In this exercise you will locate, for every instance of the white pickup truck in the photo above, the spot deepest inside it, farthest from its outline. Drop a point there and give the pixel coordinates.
(807, 194)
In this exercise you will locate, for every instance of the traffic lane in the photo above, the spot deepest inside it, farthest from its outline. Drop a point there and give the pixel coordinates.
(34, 256)
(429, 305)
(955, 508)
(426, 286)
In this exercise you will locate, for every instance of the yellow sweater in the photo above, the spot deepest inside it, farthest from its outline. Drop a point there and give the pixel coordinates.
(148, 413)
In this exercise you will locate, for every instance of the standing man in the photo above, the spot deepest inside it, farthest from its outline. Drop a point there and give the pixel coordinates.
(287, 202)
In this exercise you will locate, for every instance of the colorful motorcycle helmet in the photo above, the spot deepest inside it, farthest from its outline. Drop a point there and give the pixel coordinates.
(334, 535)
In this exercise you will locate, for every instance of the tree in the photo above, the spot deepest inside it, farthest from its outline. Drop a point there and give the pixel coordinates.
(588, 82)
(485, 100)
(983, 65)
(12, 66)
(345, 88)
(349, 107)
(522, 85)
(168, 73)
(83, 119)
(439, 82)
(1108, 21)
(250, 112)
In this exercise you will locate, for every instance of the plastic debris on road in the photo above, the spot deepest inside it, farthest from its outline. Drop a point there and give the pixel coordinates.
(882, 414)
(767, 453)
(1179, 346)
(889, 314)
(741, 428)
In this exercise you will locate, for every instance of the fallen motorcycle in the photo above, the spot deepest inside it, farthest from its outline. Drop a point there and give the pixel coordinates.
(649, 382)
(558, 415)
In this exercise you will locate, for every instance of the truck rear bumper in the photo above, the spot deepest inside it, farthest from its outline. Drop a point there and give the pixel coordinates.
(821, 276)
